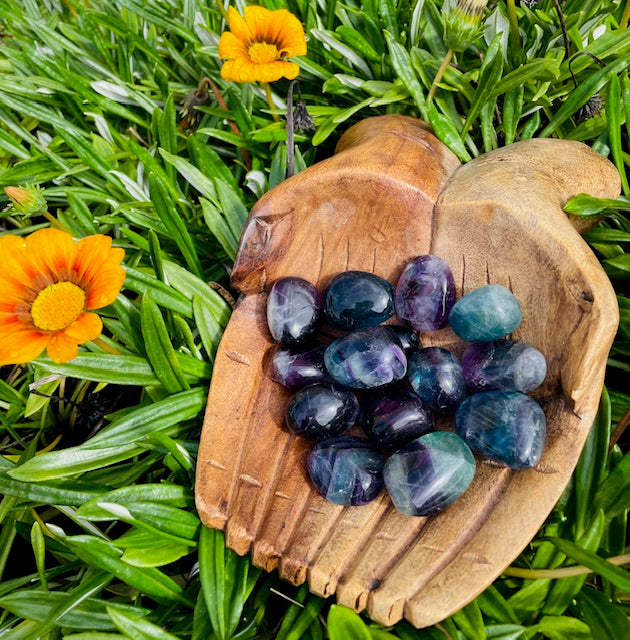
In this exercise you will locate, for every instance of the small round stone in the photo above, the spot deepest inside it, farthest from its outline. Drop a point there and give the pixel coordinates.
(487, 313)
(407, 338)
(505, 426)
(346, 470)
(503, 365)
(294, 311)
(435, 374)
(296, 369)
(394, 415)
(321, 411)
(425, 293)
(366, 359)
(357, 300)
(429, 473)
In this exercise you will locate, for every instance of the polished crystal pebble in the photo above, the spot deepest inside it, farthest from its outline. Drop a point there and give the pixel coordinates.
(366, 359)
(435, 374)
(321, 411)
(503, 365)
(297, 369)
(425, 293)
(358, 300)
(346, 470)
(505, 426)
(294, 310)
(391, 416)
(407, 338)
(429, 473)
(486, 313)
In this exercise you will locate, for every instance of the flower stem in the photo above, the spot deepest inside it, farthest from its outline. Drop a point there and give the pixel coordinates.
(270, 101)
(55, 223)
(623, 23)
(516, 38)
(440, 74)
(222, 9)
(563, 572)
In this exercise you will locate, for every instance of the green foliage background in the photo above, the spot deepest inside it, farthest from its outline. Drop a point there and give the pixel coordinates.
(99, 538)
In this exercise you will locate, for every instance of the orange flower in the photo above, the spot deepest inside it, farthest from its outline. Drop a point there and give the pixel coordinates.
(257, 47)
(47, 284)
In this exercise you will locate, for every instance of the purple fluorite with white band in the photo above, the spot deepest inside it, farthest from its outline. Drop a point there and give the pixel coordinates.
(346, 470)
(366, 359)
(297, 369)
(321, 411)
(503, 365)
(505, 426)
(294, 310)
(425, 293)
(393, 415)
(435, 374)
(429, 473)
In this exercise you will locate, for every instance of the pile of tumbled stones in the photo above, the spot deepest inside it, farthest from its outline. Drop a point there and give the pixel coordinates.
(379, 376)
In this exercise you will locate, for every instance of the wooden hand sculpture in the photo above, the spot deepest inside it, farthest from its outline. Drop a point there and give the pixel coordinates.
(390, 193)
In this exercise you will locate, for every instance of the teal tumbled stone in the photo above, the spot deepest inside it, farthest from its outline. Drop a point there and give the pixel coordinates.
(486, 313)
(429, 473)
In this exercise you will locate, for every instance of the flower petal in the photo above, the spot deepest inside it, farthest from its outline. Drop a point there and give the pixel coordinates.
(14, 262)
(244, 70)
(230, 46)
(105, 287)
(258, 20)
(61, 348)
(87, 326)
(238, 26)
(19, 345)
(49, 251)
(288, 34)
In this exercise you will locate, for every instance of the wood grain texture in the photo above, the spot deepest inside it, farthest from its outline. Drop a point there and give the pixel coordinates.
(392, 192)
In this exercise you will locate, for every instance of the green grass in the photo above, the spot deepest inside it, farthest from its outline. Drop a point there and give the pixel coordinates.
(99, 538)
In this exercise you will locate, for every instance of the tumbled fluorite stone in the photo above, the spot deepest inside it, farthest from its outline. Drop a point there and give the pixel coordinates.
(486, 313)
(425, 293)
(321, 411)
(407, 338)
(505, 426)
(297, 369)
(366, 359)
(436, 376)
(429, 473)
(294, 310)
(346, 470)
(358, 300)
(394, 415)
(503, 365)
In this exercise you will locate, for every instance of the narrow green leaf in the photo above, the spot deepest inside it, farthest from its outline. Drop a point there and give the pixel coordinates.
(470, 621)
(505, 631)
(137, 628)
(512, 111)
(613, 495)
(172, 494)
(39, 550)
(446, 131)
(495, 606)
(563, 628)
(607, 621)
(613, 116)
(59, 493)
(345, 624)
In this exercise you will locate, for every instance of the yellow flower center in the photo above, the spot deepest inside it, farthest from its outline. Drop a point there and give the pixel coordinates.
(58, 306)
(261, 52)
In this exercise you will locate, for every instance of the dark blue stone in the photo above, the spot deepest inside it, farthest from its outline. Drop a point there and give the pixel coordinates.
(294, 311)
(505, 426)
(429, 473)
(425, 293)
(391, 416)
(436, 376)
(486, 313)
(358, 300)
(407, 338)
(297, 369)
(321, 411)
(366, 359)
(346, 470)
(503, 365)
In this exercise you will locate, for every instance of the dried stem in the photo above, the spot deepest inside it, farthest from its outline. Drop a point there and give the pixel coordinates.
(563, 24)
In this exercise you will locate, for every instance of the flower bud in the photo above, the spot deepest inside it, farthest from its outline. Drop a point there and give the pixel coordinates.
(463, 24)
(28, 200)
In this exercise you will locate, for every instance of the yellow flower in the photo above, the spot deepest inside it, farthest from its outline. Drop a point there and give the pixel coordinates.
(48, 283)
(258, 45)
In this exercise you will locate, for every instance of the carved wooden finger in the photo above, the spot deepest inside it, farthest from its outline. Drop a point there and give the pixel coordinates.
(393, 192)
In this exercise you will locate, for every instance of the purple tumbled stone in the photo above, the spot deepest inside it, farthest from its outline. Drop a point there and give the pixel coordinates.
(503, 365)
(294, 310)
(435, 374)
(346, 470)
(425, 293)
(394, 415)
(366, 359)
(297, 369)
(321, 411)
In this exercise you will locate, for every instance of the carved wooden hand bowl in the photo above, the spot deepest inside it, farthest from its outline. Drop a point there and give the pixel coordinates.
(393, 192)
